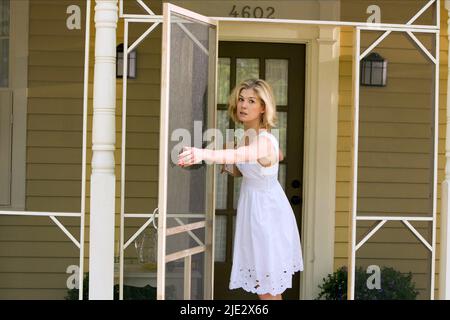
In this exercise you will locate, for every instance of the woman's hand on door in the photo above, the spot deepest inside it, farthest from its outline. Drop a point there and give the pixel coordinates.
(190, 156)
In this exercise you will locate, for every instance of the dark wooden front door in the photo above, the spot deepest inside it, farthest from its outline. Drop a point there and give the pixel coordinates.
(283, 66)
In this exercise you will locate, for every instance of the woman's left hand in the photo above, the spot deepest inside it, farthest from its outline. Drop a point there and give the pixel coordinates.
(190, 156)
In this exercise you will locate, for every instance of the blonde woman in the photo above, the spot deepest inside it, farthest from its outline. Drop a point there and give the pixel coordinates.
(267, 249)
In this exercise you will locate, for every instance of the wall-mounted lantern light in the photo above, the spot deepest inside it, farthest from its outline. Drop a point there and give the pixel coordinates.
(374, 70)
(131, 63)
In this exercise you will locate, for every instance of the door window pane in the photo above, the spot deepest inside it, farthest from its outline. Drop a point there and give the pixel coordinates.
(246, 69)
(221, 179)
(234, 231)
(224, 80)
(237, 189)
(282, 175)
(239, 128)
(222, 122)
(282, 129)
(277, 77)
(239, 134)
(221, 238)
(221, 188)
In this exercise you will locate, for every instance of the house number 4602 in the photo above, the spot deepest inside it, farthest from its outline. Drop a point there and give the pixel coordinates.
(252, 12)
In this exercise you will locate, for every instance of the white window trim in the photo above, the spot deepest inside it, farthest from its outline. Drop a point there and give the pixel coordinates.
(18, 84)
(321, 119)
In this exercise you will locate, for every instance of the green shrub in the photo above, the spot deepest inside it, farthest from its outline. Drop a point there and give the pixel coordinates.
(129, 292)
(394, 286)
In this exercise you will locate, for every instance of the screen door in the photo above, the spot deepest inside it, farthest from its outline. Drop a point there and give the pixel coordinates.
(185, 195)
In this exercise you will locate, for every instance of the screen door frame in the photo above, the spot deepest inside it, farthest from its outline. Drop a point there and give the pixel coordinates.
(164, 153)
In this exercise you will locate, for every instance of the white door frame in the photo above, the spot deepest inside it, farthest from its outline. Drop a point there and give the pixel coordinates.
(164, 154)
(163, 231)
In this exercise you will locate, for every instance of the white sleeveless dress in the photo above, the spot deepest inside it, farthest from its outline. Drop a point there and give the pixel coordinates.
(267, 250)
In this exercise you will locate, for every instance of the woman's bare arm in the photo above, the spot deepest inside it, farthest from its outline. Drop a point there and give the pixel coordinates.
(260, 148)
(234, 171)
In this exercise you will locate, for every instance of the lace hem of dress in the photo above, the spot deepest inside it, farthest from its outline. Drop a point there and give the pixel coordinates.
(272, 283)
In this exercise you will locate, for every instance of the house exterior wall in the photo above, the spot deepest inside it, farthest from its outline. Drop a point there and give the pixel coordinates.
(34, 253)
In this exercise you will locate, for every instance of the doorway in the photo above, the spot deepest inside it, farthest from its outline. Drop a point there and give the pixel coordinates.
(283, 66)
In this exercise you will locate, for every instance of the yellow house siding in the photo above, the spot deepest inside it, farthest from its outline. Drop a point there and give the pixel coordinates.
(34, 252)
(410, 180)
(344, 147)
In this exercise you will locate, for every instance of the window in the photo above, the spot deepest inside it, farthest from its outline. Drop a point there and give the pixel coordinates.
(5, 106)
(5, 147)
(4, 43)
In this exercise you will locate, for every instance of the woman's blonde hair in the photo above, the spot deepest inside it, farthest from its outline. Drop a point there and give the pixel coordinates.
(265, 94)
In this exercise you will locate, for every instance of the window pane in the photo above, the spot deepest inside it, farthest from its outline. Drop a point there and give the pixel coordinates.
(6, 103)
(4, 65)
(221, 188)
(239, 128)
(282, 127)
(234, 229)
(237, 189)
(224, 80)
(246, 69)
(282, 175)
(221, 238)
(4, 18)
(221, 179)
(4, 43)
(222, 121)
(277, 76)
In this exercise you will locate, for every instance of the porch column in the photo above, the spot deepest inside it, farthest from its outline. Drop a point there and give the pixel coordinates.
(326, 151)
(101, 244)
